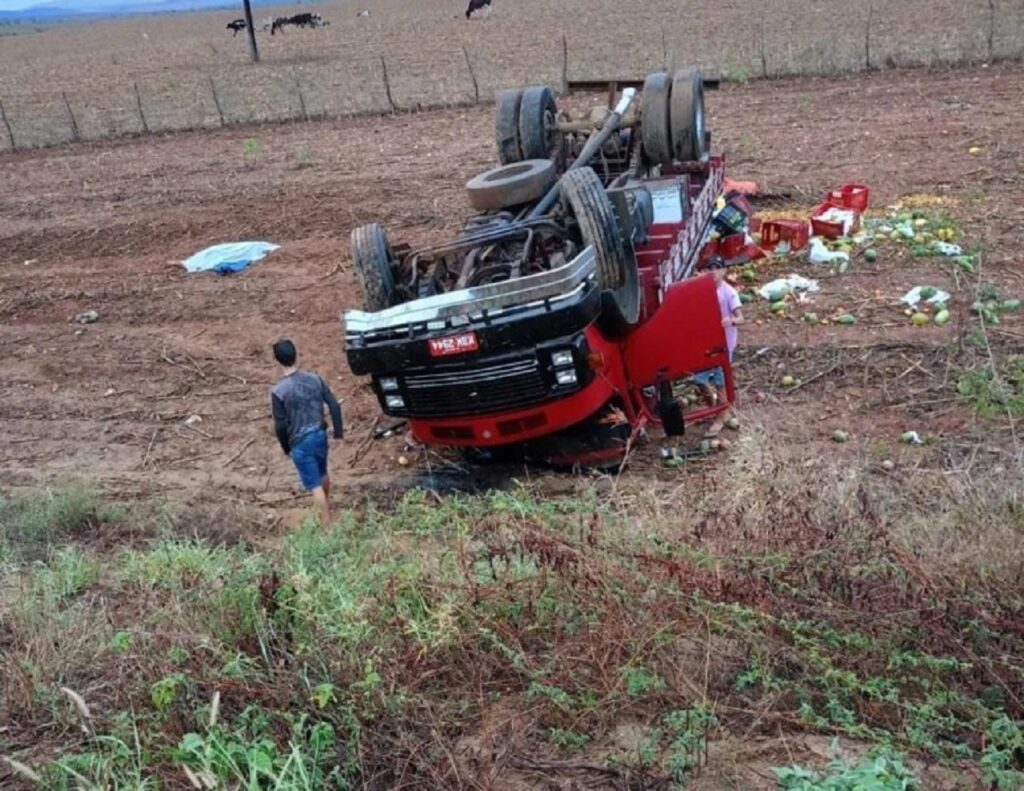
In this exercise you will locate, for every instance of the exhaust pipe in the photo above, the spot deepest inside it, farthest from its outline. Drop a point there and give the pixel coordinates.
(592, 146)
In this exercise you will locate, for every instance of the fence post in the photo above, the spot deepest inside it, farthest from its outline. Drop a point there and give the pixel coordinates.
(764, 50)
(472, 75)
(71, 116)
(10, 134)
(216, 101)
(867, 38)
(565, 65)
(387, 83)
(991, 28)
(302, 99)
(138, 105)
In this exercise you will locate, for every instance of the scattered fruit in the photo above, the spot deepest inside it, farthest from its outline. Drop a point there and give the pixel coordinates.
(840, 436)
(888, 465)
(811, 318)
(871, 255)
(733, 423)
(941, 317)
(846, 318)
(788, 381)
(779, 307)
(919, 319)
(1009, 304)
(403, 461)
(974, 150)
(927, 292)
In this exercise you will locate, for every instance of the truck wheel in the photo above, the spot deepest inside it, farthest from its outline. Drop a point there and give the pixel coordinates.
(686, 113)
(617, 274)
(538, 135)
(654, 118)
(511, 185)
(506, 126)
(374, 262)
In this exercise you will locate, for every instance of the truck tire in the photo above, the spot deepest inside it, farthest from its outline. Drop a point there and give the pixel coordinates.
(511, 185)
(686, 115)
(617, 274)
(506, 126)
(374, 264)
(538, 114)
(654, 118)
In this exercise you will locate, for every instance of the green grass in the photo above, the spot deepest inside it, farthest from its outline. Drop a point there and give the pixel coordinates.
(881, 611)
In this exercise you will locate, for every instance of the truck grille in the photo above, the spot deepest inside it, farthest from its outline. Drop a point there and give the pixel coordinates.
(471, 391)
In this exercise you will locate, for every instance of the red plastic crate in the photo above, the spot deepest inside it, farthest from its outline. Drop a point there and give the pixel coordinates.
(832, 230)
(849, 196)
(796, 232)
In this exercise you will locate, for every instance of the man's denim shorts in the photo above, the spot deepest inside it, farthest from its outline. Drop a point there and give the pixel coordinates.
(310, 458)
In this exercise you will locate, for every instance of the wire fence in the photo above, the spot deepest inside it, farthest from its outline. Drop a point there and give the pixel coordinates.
(848, 38)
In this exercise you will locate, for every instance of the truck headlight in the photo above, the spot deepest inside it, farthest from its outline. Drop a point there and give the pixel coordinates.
(394, 402)
(388, 383)
(561, 358)
(565, 377)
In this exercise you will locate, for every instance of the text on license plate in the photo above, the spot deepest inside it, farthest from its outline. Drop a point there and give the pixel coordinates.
(453, 344)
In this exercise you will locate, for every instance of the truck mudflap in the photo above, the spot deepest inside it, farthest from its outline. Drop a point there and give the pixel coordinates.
(684, 336)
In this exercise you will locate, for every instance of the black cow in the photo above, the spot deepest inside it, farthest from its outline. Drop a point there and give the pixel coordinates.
(298, 20)
(477, 5)
(237, 26)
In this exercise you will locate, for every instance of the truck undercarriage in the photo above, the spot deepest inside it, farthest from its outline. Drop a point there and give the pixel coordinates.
(553, 327)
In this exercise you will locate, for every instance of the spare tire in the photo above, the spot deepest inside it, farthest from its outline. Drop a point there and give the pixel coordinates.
(506, 126)
(617, 273)
(654, 118)
(686, 113)
(374, 264)
(511, 185)
(538, 116)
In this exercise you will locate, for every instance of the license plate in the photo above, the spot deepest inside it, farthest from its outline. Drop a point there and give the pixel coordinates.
(453, 344)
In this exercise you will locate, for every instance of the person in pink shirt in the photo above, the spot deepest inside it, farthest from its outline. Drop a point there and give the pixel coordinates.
(731, 309)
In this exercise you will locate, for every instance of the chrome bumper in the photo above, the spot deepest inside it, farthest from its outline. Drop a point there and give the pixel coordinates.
(455, 309)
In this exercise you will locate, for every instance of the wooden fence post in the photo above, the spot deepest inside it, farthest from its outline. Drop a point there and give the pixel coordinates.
(472, 75)
(565, 65)
(216, 101)
(10, 134)
(387, 83)
(71, 116)
(867, 38)
(138, 105)
(764, 50)
(302, 99)
(991, 28)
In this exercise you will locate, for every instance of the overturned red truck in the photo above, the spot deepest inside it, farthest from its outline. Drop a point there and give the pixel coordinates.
(553, 327)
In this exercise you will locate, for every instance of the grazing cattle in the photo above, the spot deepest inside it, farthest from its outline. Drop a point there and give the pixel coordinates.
(236, 26)
(365, 12)
(477, 5)
(298, 20)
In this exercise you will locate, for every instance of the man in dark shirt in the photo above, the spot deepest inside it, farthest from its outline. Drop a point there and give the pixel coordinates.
(297, 404)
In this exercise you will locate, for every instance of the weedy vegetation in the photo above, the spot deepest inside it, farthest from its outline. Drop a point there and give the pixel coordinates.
(446, 638)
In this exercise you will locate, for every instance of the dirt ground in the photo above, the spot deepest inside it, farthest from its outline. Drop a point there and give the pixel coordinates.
(104, 226)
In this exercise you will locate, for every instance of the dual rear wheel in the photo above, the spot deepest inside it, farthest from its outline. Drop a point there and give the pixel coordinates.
(672, 117)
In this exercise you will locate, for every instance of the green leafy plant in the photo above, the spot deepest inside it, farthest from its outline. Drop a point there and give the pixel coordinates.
(882, 771)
